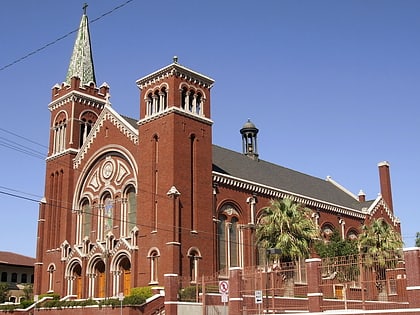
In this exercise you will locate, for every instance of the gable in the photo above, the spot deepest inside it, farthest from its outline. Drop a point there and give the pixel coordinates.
(122, 123)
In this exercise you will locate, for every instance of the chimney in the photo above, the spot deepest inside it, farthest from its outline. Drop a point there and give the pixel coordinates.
(362, 196)
(385, 181)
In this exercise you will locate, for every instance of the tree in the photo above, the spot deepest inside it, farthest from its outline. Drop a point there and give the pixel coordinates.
(418, 239)
(287, 226)
(336, 246)
(338, 258)
(4, 292)
(381, 247)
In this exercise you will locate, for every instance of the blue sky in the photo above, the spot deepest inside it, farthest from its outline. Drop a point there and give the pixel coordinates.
(333, 86)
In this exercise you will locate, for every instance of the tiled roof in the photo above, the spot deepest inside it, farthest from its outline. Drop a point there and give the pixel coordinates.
(9, 258)
(261, 172)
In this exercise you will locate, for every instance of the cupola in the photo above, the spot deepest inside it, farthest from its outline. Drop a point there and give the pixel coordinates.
(249, 140)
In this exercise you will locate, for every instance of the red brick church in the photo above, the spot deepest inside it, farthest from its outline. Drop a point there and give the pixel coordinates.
(128, 200)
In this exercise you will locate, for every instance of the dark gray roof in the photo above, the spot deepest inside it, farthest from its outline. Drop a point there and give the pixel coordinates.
(131, 121)
(261, 172)
(238, 165)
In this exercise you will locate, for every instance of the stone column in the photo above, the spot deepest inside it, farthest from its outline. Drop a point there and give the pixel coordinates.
(412, 268)
(314, 281)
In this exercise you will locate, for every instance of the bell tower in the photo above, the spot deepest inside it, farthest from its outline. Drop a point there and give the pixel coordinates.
(74, 108)
(175, 167)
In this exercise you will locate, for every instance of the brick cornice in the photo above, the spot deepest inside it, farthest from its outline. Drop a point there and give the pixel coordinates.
(75, 96)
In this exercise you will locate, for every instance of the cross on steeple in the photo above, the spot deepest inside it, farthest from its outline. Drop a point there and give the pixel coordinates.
(85, 5)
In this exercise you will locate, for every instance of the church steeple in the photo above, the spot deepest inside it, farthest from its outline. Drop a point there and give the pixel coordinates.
(81, 62)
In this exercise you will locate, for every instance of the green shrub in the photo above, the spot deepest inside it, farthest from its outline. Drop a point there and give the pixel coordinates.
(55, 296)
(138, 296)
(112, 302)
(189, 293)
(25, 303)
(53, 303)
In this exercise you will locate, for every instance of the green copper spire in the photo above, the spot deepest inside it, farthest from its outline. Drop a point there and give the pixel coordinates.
(81, 62)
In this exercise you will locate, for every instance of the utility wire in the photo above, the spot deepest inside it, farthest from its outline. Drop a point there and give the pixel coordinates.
(62, 37)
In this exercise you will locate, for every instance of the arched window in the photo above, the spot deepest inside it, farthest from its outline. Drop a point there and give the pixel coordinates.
(156, 101)
(106, 219)
(86, 219)
(24, 278)
(51, 270)
(194, 256)
(154, 256)
(14, 277)
(352, 235)
(326, 231)
(230, 247)
(184, 99)
(4, 276)
(131, 208)
(87, 120)
(192, 100)
(59, 130)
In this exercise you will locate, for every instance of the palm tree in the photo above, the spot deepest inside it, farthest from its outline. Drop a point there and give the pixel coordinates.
(287, 226)
(380, 244)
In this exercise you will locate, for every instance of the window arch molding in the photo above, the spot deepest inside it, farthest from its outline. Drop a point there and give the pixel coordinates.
(194, 251)
(192, 99)
(229, 236)
(116, 259)
(156, 99)
(352, 234)
(88, 112)
(106, 213)
(153, 255)
(158, 88)
(95, 161)
(90, 267)
(60, 116)
(190, 87)
(84, 222)
(59, 131)
(194, 256)
(128, 216)
(120, 269)
(51, 267)
(230, 208)
(70, 265)
(327, 229)
(51, 270)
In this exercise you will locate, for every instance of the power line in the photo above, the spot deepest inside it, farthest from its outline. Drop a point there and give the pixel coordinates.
(62, 37)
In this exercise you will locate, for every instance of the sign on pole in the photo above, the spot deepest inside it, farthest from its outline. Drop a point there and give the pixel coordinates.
(225, 298)
(258, 297)
(224, 286)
